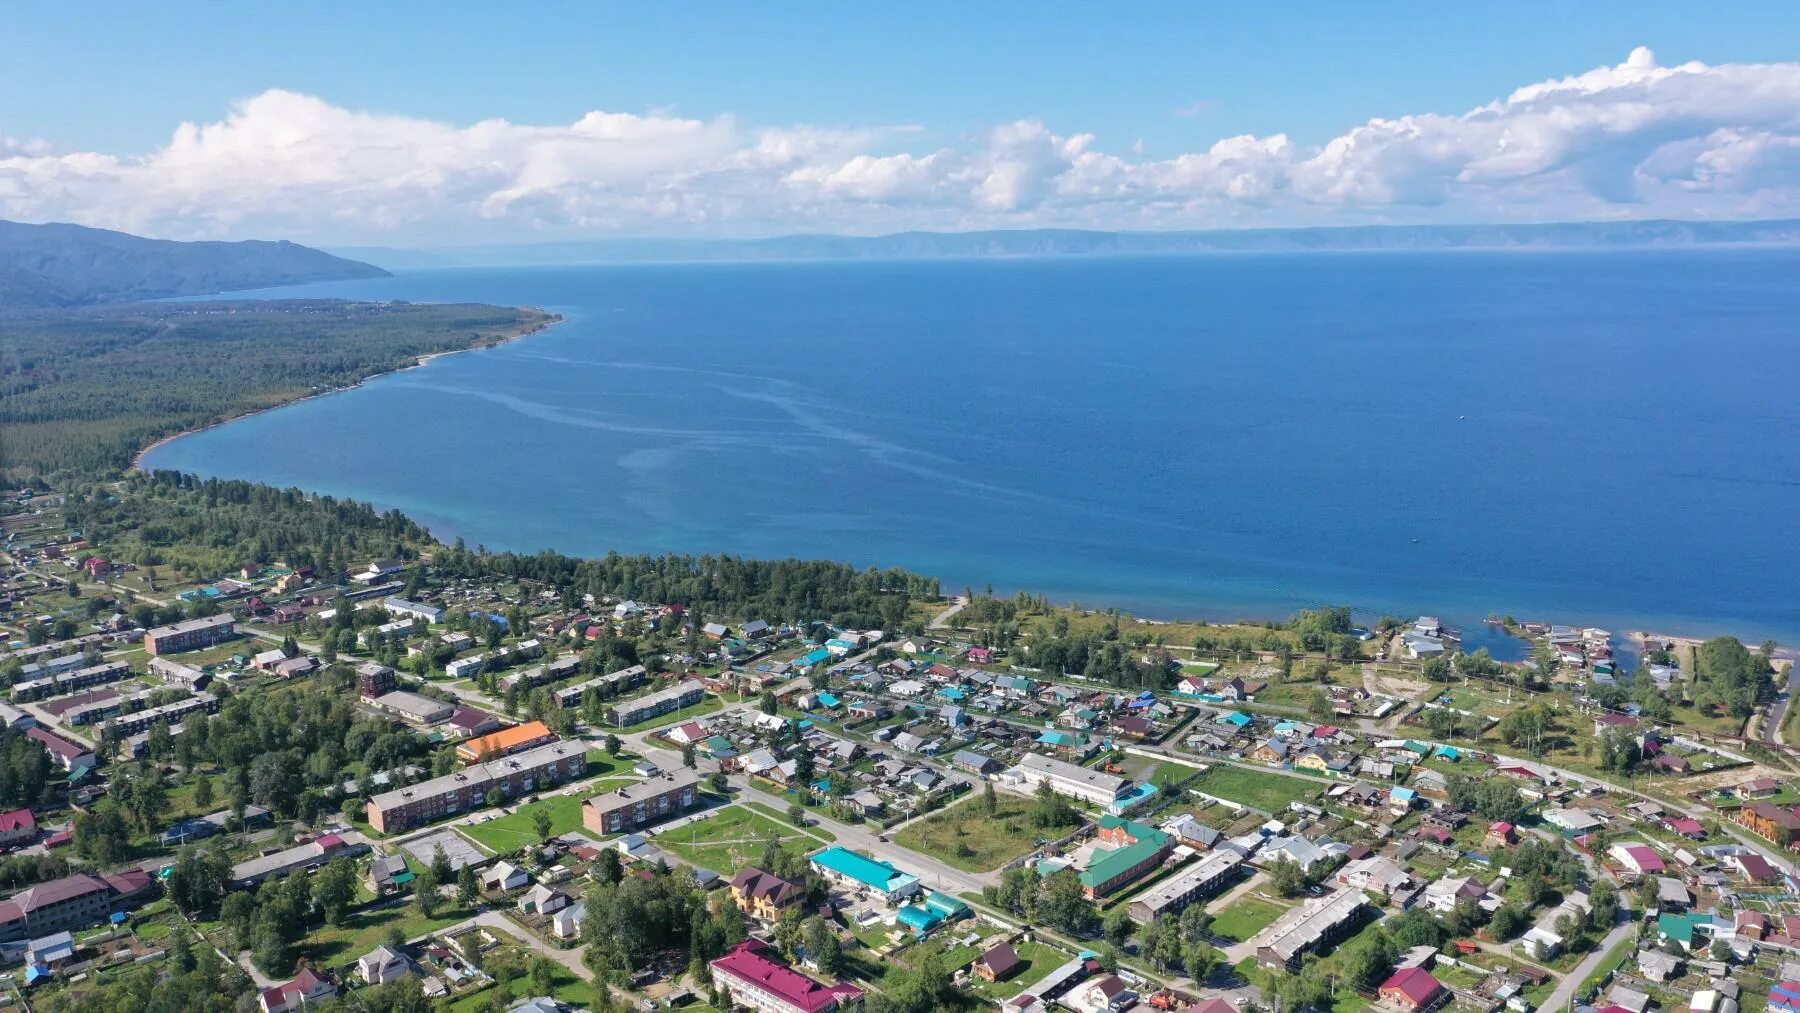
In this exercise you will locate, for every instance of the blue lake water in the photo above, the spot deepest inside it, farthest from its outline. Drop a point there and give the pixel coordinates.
(1603, 438)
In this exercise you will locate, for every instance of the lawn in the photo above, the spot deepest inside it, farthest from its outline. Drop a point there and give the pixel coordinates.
(1245, 918)
(782, 818)
(731, 838)
(968, 837)
(517, 829)
(1258, 789)
(361, 932)
(568, 988)
(1037, 960)
(708, 704)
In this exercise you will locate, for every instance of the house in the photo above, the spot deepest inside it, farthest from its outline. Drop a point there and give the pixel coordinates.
(1443, 895)
(566, 922)
(18, 827)
(765, 895)
(1103, 995)
(1544, 940)
(1500, 834)
(1687, 827)
(388, 873)
(504, 876)
(306, 987)
(1761, 787)
(469, 722)
(1192, 832)
(1754, 868)
(1638, 858)
(1376, 874)
(999, 963)
(1413, 988)
(1657, 965)
(1776, 823)
(382, 965)
(1295, 848)
(543, 900)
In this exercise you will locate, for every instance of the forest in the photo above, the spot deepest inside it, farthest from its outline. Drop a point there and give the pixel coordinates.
(81, 391)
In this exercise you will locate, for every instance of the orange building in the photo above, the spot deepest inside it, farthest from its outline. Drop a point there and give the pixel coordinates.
(1771, 821)
(506, 741)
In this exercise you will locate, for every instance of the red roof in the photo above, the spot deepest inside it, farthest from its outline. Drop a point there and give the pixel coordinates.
(56, 743)
(1645, 859)
(1415, 983)
(18, 819)
(1756, 868)
(1687, 825)
(751, 961)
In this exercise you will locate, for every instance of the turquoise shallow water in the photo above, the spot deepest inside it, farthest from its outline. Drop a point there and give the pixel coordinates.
(1604, 437)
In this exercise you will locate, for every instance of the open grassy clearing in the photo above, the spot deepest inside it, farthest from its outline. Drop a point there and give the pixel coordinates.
(731, 838)
(1266, 790)
(968, 837)
(518, 828)
(1245, 917)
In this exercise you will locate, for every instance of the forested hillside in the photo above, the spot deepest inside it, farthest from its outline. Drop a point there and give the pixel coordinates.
(82, 391)
(70, 265)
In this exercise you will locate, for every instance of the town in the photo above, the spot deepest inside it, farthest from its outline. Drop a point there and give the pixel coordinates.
(400, 783)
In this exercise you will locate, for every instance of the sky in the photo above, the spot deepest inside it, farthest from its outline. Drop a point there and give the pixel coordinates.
(413, 124)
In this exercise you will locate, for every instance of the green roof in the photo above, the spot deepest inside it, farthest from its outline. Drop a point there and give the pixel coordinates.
(1681, 927)
(1110, 865)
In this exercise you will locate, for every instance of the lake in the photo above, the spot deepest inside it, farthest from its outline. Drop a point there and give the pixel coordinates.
(1592, 437)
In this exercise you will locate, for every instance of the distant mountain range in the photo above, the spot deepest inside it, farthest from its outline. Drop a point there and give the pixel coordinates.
(71, 265)
(1078, 242)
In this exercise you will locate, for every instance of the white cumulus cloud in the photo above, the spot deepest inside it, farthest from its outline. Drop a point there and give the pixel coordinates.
(1634, 138)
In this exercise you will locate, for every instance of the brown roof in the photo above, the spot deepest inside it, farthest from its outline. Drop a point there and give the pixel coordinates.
(1783, 818)
(56, 891)
(758, 884)
(1001, 960)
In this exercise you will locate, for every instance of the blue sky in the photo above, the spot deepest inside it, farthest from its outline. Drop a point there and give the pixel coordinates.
(1146, 88)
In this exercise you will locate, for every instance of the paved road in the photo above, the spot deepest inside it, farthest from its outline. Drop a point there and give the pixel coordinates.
(858, 838)
(1778, 712)
(1565, 991)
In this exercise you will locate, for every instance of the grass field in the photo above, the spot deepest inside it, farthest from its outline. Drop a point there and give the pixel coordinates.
(967, 837)
(1258, 789)
(331, 945)
(1245, 918)
(517, 829)
(1038, 959)
(707, 705)
(731, 838)
(780, 817)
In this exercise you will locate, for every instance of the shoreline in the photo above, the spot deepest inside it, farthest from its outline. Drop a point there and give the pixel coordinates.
(419, 362)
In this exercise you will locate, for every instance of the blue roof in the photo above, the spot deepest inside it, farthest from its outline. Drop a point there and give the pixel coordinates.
(827, 700)
(950, 693)
(863, 869)
(812, 657)
(1449, 752)
(1238, 718)
(1053, 738)
(920, 920)
(1402, 794)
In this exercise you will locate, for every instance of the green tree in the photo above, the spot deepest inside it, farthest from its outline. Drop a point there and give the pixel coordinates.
(542, 822)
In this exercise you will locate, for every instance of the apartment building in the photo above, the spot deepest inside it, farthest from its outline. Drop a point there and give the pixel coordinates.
(429, 801)
(685, 693)
(649, 801)
(191, 635)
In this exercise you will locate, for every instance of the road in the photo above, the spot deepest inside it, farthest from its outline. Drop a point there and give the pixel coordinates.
(1778, 711)
(942, 619)
(934, 874)
(1565, 990)
(495, 921)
